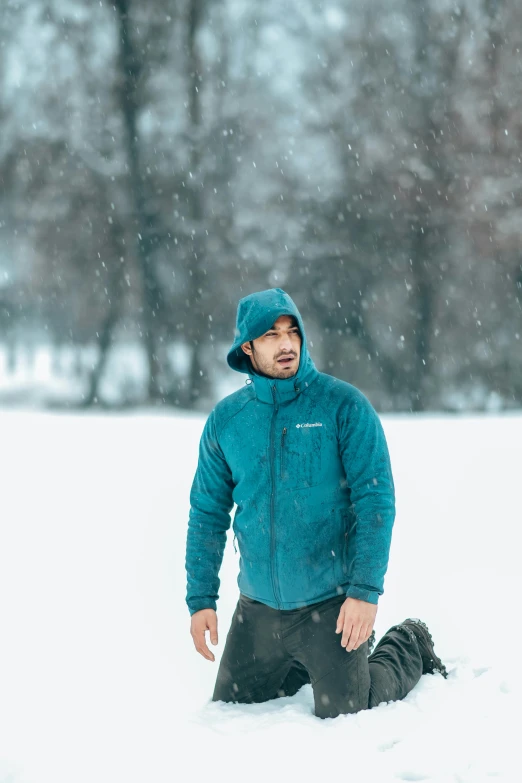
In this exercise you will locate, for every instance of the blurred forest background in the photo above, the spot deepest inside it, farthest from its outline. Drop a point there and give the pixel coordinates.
(161, 159)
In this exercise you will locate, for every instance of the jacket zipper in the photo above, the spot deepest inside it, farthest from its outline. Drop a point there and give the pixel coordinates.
(283, 436)
(275, 586)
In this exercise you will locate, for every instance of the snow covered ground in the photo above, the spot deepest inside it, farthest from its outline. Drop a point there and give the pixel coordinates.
(98, 677)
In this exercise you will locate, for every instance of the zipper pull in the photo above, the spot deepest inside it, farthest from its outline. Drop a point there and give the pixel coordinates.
(283, 437)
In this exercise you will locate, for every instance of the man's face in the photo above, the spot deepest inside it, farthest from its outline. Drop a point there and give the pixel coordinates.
(277, 352)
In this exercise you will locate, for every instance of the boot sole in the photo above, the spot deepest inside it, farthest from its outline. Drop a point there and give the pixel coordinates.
(433, 663)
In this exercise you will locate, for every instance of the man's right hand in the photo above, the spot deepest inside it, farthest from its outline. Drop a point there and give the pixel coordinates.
(202, 621)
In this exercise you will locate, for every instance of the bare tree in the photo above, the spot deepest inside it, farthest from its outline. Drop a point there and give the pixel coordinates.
(129, 71)
(195, 331)
(436, 51)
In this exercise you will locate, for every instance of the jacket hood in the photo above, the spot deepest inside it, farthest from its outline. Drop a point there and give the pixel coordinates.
(256, 313)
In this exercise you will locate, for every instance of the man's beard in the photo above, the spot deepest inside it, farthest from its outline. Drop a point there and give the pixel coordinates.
(275, 372)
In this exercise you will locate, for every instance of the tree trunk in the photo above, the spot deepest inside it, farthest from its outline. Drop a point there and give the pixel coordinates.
(104, 342)
(424, 218)
(423, 286)
(196, 317)
(105, 334)
(130, 67)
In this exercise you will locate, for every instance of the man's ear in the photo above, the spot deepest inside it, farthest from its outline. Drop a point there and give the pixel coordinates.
(246, 347)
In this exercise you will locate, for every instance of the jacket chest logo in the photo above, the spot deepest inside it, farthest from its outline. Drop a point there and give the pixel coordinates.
(315, 424)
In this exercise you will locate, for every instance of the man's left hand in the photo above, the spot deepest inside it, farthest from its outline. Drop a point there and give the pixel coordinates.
(355, 620)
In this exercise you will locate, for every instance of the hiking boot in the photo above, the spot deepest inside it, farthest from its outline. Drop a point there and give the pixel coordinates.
(431, 663)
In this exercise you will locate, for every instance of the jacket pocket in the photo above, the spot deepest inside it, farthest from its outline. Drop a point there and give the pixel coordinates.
(301, 459)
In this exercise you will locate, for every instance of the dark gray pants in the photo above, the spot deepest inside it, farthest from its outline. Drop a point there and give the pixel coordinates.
(271, 653)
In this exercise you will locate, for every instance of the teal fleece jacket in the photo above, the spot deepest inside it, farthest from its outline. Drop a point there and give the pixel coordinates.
(305, 461)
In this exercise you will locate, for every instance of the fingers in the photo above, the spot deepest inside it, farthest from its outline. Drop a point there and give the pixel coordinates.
(340, 621)
(354, 634)
(353, 640)
(356, 620)
(347, 631)
(198, 637)
(367, 634)
(201, 623)
(212, 627)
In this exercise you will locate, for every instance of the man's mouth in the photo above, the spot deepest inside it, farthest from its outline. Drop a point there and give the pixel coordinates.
(285, 360)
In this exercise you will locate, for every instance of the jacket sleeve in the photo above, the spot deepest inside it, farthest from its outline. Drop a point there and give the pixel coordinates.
(209, 519)
(367, 466)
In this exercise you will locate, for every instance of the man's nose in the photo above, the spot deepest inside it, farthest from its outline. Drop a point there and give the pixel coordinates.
(285, 343)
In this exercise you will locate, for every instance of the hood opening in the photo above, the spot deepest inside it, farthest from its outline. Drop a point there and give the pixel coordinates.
(256, 313)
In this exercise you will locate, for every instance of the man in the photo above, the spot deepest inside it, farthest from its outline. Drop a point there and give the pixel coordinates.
(304, 457)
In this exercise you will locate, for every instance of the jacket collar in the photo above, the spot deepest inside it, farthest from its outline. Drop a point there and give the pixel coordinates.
(276, 391)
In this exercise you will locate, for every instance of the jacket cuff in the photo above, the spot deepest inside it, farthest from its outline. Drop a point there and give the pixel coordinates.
(363, 593)
(197, 604)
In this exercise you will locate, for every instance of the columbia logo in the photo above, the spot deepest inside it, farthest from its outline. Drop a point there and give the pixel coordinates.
(316, 424)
